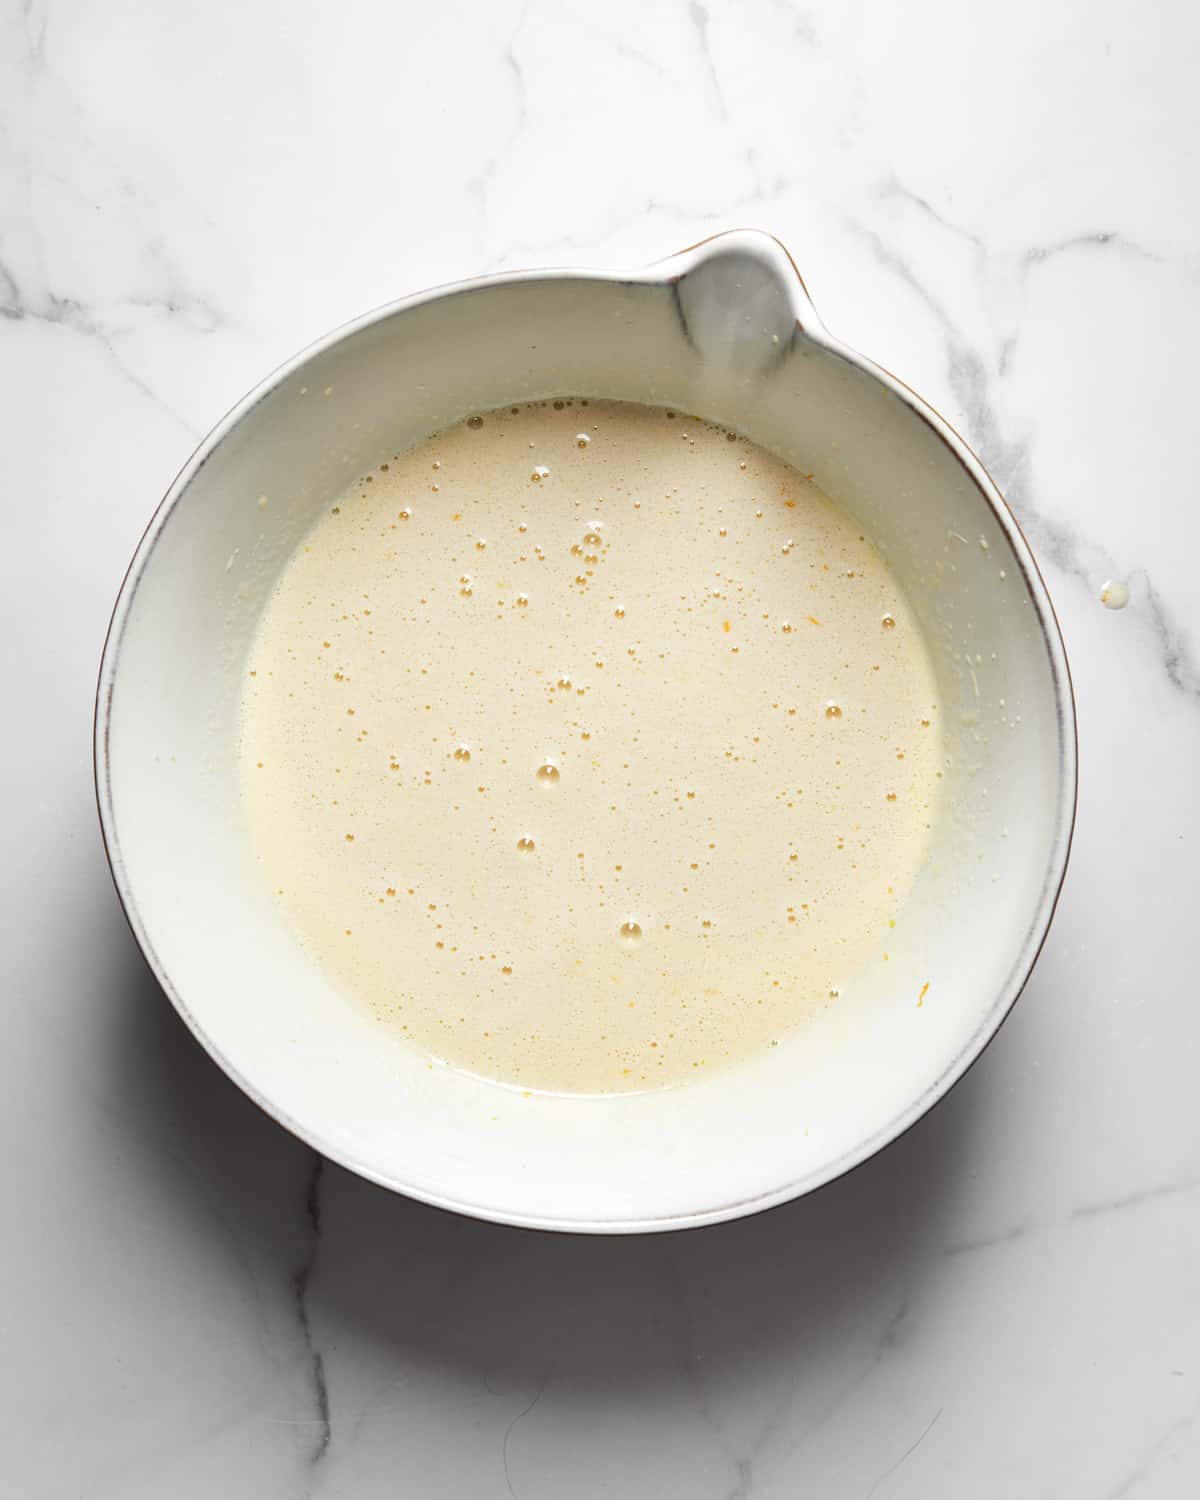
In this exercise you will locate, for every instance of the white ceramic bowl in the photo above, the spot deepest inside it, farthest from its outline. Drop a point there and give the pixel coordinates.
(726, 331)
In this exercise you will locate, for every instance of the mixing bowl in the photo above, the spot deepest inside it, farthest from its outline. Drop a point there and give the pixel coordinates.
(726, 331)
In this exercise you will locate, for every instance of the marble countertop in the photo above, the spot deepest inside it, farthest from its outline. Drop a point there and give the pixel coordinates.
(996, 202)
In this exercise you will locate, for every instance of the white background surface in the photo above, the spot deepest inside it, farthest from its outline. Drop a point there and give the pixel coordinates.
(996, 202)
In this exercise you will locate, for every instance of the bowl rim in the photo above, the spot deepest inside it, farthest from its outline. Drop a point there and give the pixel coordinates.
(663, 272)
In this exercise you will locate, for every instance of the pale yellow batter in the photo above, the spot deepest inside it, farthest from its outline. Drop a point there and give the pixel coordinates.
(590, 746)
